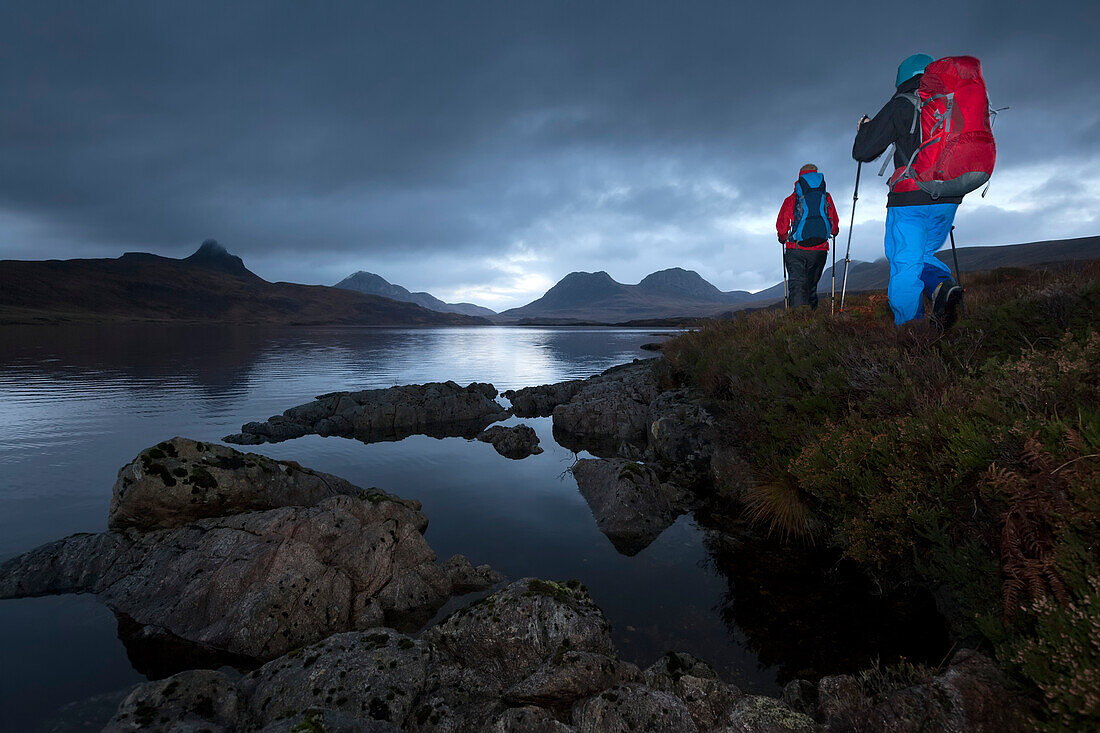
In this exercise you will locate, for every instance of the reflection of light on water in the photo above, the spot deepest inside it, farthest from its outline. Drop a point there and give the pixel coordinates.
(80, 403)
(507, 357)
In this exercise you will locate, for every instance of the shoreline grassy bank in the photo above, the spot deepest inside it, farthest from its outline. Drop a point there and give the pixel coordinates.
(967, 462)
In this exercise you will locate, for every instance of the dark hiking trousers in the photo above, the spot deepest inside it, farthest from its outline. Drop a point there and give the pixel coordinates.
(804, 267)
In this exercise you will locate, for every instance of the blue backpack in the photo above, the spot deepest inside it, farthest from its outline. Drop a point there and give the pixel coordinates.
(811, 219)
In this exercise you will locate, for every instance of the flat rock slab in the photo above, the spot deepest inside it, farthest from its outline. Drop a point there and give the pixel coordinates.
(514, 442)
(436, 409)
(264, 554)
(180, 480)
(630, 503)
(257, 584)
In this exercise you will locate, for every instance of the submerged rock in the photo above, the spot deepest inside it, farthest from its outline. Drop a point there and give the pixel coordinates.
(181, 480)
(515, 442)
(630, 503)
(256, 583)
(436, 409)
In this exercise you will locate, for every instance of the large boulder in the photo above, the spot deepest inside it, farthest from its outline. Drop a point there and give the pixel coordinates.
(180, 480)
(608, 411)
(378, 674)
(514, 442)
(437, 409)
(511, 633)
(454, 677)
(530, 719)
(193, 700)
(683, 437)
(256, 584)
(758, 714)
(633, 708)
(569, 676)
(540, 400)
(630, 503)
(707, 698)
(536, 656)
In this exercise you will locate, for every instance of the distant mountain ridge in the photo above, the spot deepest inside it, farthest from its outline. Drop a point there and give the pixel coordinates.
(209, 286)
(596, 296)
(875, 275)
(372, 284)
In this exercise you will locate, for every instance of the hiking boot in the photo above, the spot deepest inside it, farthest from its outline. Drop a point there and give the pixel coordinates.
(946, 301)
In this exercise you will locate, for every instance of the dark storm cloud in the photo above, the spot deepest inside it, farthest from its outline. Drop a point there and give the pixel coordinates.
(497, 146)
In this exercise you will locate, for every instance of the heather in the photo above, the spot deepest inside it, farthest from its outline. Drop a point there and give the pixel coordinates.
(968, 462)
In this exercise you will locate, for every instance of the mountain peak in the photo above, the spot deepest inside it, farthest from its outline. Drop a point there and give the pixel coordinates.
(372, 284)
(680, 282)
(211, 248)
(369, 282)
(214, 256)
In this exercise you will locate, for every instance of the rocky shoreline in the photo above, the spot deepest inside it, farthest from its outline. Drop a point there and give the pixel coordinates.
(324, 583)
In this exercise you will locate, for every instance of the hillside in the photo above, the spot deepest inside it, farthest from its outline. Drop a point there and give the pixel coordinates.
(371, 284)
(210, 286)
(966, 462)
(874, 275)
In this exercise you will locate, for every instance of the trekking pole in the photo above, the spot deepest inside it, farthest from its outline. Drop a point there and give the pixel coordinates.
(955, 257)
(832, 296)
(783, 255)
(848, 253)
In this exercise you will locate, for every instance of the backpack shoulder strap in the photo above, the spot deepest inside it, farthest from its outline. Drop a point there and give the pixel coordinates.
(913, 99)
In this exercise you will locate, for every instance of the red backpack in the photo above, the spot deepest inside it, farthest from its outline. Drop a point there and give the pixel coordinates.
(957, 151)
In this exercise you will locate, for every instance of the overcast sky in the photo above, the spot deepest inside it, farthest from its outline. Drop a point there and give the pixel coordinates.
(482, 150)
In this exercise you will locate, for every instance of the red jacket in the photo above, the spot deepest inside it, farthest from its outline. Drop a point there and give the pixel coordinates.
(785, 222)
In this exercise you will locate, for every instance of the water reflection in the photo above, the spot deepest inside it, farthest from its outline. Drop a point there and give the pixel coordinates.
(805, 614)
(78, 403)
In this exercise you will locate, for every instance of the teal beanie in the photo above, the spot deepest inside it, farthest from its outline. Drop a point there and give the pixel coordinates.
(912, 66)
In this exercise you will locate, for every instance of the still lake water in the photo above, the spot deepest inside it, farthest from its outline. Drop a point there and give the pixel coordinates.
(79, 403)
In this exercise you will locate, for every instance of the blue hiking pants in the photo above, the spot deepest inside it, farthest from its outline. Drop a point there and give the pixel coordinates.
(913, 236)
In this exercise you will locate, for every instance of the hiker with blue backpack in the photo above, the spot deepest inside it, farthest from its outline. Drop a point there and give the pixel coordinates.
(938, 121)
(806, 221)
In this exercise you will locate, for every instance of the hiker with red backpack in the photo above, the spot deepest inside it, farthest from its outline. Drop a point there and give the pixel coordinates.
(806, 221)
(939, 124)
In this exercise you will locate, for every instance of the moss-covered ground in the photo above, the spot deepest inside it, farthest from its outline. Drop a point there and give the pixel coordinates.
(967, 461)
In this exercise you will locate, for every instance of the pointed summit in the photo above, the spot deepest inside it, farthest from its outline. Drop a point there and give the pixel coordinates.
(214, 256)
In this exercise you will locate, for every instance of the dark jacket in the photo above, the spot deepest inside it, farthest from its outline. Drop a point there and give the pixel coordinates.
(891, 126)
